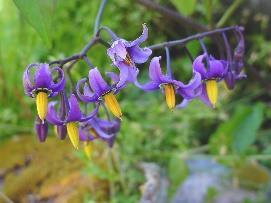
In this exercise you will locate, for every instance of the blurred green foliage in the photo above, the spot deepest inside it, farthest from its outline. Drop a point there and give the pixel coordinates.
(149, 132)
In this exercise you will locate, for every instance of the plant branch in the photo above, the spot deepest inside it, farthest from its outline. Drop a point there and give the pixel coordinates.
(173, 15)
(182, 42)
(99, 16)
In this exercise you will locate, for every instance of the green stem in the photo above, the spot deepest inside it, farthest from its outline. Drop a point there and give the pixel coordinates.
(229, 13)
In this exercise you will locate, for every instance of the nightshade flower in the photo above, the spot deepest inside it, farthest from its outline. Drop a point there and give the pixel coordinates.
(211, 71)
(125, 54)
(41, 128)
(235, 66)
(73, 116)
(97, 128)
(42, 85)
(100, 90)
(169, 85)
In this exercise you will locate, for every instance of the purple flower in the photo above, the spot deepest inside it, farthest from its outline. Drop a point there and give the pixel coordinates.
(41, 128)
(97, 128)
(42, 85)
(100, 91)
(169, 84)
(73, 116)
(125, 54)
(235, 66)
(211, 71)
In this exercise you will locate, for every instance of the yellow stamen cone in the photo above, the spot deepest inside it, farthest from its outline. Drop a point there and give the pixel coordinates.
(212, 91)
(112, 104)
(73, 134)
(169, 95)
(41, 103)
(88, 148)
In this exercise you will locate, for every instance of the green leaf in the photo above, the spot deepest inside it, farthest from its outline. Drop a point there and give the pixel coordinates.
(185, 7)
(245, 132)
(240, 131)
(38, 13)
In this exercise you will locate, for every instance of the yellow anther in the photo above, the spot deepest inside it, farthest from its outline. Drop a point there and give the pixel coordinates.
(73, 134)
(169, 95)
(212, 91)
(128, 60)
(112, 104)
(41, 103)
(88, 148)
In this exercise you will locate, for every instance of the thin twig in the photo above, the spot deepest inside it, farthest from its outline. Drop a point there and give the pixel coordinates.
(182, 42)
(99, 16)
(5, 198)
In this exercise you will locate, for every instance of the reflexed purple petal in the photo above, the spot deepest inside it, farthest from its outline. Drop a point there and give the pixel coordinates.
(194, 83)
(59, 86)
(88, 96)
(41, 128)
(28, 85)
(43, 77)
(216, 70)
(139, 55)
(155, 72)
(149, 86)
(51, 116)
(199, 66)
(183, 104)
(97, 83)
(74, 113)
(92, 114)
(113, 76)
(117, 49)
(84, 134)
(124, 74)
(140, 39)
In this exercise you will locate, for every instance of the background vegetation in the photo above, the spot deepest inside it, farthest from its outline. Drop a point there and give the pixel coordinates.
(236, 132)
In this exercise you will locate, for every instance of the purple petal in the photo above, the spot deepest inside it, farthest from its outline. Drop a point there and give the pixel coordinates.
(124, 74)
(88, 96)
(117, 49)
(216, 70)
(74, 113)
(113, 76)
(194, 83)
(97, 83)
(155, 72)
(139, 55)
(28, 85)
(183, 104)
(43, 77)
(149, 86)
(59, 86)
(92, 114)
(52, 115)
(140, 39)
(84, 134)
(41, 128)
(199, 66)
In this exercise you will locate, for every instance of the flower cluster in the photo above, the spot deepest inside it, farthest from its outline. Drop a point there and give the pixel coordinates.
(68, 119)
